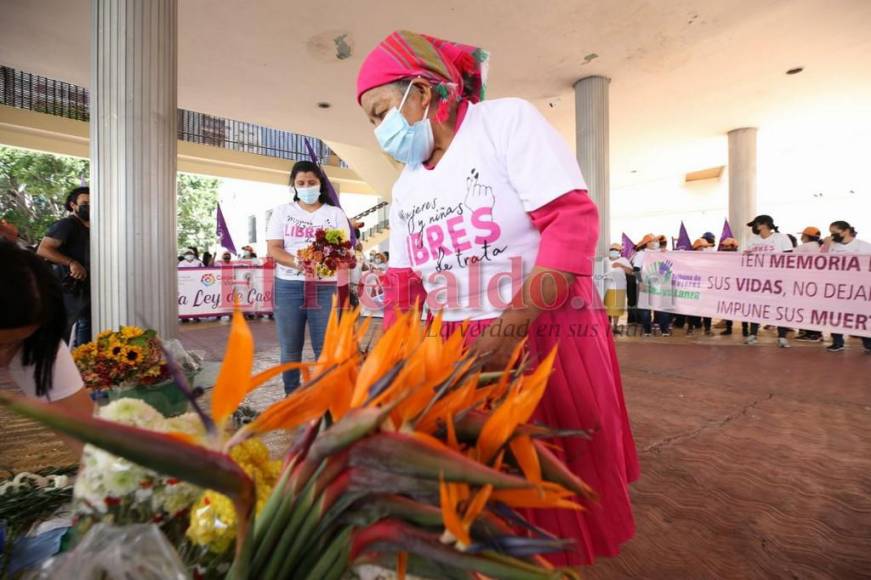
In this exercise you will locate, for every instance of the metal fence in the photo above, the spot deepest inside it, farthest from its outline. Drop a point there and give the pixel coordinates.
(35, 93)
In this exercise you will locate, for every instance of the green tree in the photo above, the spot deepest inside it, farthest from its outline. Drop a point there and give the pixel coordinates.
(34, 186)
(197, 204)
(33, 189)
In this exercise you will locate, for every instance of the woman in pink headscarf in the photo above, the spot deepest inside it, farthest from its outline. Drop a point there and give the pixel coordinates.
(491, 222)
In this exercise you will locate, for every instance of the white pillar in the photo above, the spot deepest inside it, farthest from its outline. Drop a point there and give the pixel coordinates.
(591, 114)
(133, 164)
(742, 181)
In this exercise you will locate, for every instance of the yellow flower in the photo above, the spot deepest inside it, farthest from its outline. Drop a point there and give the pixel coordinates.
(213, 522)
(84, 352)
(105, 334)
(132, 355)
(116, 349)
(131, 331)
(213, 519)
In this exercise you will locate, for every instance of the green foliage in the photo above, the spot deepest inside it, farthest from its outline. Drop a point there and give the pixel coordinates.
(197, 204)
(33, 188)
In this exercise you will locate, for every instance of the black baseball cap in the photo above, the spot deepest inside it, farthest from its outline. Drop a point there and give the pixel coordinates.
(760, 220)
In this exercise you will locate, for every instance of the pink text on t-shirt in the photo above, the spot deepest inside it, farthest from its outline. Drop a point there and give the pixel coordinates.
(454, 235)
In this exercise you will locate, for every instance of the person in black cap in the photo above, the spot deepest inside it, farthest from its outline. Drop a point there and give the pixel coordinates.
(67, 245)
(842, 240)
(767, 238)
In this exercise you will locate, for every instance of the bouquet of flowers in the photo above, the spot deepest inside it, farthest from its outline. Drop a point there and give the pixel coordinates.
(127, 357)
(112, 489)
(405, 451)
(329, 252)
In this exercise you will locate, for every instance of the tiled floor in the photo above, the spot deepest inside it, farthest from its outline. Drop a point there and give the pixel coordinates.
(756, 461)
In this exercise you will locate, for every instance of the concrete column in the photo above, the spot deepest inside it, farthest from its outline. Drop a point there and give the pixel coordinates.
(742, 181)
(133, 164)
(592, 134)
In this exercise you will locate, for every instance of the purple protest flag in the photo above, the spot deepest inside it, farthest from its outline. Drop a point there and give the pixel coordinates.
(223, 233)
(628, 248)
(727, 233)
(330, 190)
(683, 239)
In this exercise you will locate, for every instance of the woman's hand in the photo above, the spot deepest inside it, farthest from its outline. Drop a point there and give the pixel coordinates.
(495, 348)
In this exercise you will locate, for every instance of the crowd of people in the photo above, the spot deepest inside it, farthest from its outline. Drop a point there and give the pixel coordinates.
(419, 92)
(624, 279)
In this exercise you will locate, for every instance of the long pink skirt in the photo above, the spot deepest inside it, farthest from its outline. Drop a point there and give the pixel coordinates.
(584, 392)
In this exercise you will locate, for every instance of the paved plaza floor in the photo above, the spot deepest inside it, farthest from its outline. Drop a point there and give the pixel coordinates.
(756, 461)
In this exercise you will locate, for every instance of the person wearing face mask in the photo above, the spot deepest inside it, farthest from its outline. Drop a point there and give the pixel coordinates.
(650, 244)
(190, 260)
(842, 240)
(301, 302)
(615, 286)
(67, 245)
(767, 238)
(491, 184)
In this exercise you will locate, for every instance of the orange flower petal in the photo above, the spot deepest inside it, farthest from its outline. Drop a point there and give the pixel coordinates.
(452, 521)
(527, 457)
(232, 383)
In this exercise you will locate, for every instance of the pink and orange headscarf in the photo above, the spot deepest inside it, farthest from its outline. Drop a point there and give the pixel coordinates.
(456, 71)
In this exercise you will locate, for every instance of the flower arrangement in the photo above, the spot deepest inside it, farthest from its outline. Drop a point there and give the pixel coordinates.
(126, 357)
(112, 489)
(406, 451)
(330, 251)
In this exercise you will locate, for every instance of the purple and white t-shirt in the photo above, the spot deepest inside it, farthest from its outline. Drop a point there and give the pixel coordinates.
(296, 227)
(774, 243)
(463, 226)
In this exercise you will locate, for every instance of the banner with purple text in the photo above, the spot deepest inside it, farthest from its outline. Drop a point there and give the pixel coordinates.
(826, 292)
(204, 292)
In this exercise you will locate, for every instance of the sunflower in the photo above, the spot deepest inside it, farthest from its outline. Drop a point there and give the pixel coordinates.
(85, 352)
(129, 332)
(132, 355)
(105, 334)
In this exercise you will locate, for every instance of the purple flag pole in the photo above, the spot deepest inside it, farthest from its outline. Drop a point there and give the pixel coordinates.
(683, 239)
(223, 232)
(330, 190)
(628, 248)
(727, 233)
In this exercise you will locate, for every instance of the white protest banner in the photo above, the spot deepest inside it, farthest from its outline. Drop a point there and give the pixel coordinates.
(826, 292)
(204, 292)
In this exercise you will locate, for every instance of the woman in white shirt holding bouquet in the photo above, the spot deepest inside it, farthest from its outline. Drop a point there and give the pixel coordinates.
(301, 299)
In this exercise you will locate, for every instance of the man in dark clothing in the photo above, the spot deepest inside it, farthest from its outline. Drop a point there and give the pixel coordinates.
(67, 245)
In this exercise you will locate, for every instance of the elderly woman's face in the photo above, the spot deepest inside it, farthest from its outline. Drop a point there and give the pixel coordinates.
(377, 102)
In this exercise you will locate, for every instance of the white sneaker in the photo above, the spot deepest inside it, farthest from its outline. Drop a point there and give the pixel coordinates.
(783, 343)
(750, 340)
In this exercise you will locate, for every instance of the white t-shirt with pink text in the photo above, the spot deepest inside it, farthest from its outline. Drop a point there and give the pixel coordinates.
(463, 226)
(296, 227)
(776, 242)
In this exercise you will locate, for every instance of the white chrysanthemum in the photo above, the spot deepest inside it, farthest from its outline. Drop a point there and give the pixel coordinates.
(133, 412)
(89, 491)
(124, 478)
(173, 498)
(189, 423)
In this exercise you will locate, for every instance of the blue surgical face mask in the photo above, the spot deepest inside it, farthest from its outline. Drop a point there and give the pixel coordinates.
(308, 194)
(614, 255)
(408, 144)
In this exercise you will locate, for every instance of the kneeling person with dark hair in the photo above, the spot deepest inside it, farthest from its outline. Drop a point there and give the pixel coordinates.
(32, 326)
